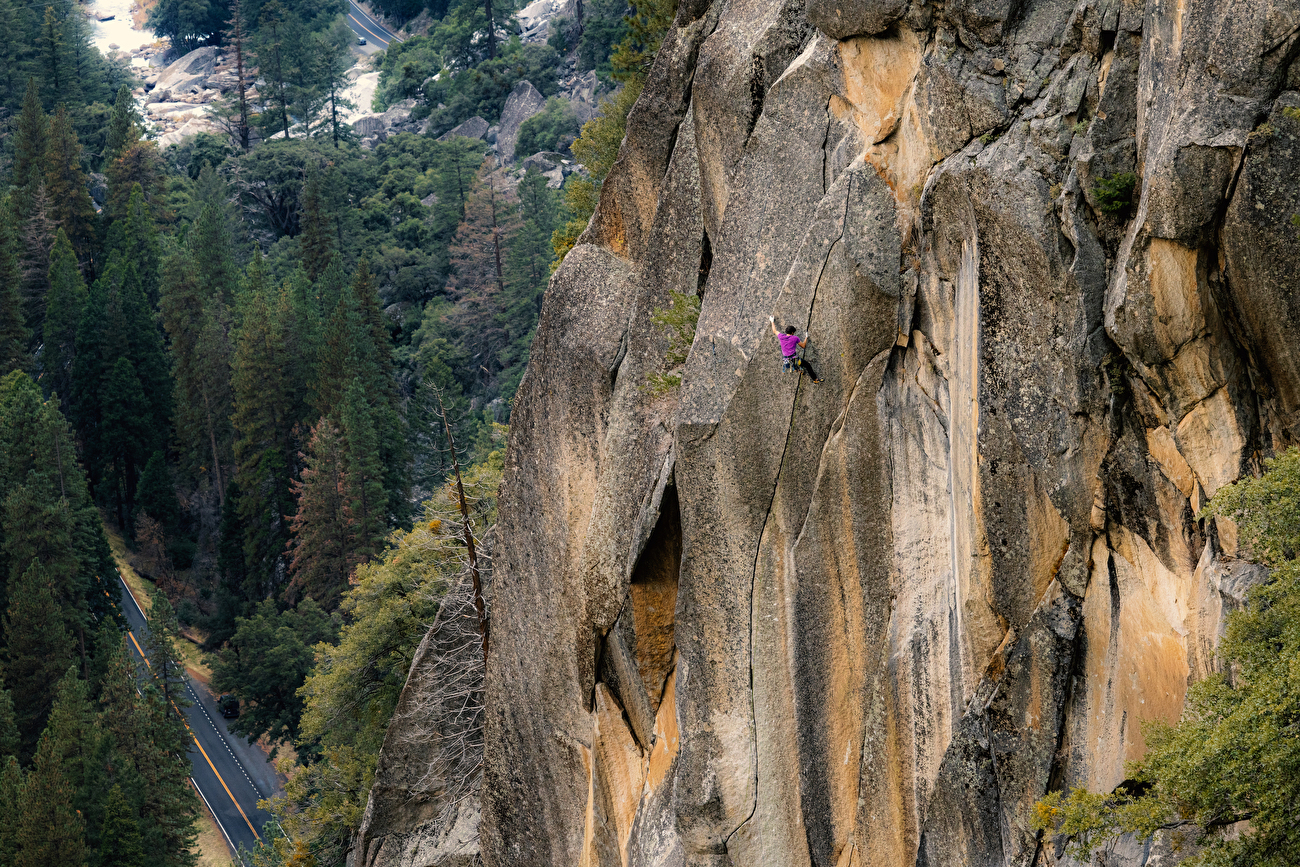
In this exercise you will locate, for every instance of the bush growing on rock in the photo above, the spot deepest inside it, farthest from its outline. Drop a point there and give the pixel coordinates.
(553, 129)
(1115, 193)
(1235, 756)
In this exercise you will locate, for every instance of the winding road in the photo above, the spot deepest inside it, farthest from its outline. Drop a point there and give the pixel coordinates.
(368, 28)
(230, 774)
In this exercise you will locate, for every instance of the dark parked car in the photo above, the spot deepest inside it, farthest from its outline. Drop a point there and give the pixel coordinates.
(229, 706)
(361, 40)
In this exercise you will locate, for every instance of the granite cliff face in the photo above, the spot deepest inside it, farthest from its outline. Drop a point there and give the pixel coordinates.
(869, 622)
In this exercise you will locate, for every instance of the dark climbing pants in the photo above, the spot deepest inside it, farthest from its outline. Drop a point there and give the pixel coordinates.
(801, 366)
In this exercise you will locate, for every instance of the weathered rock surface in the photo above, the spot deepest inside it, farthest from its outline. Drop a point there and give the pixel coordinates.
(188, 74)
(522, 103)
(475, 127)
(535, 18)
(757, 621)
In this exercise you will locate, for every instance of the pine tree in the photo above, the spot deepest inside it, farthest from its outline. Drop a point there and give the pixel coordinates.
(164, 658)
(14, 335)
(123, 127)
(35, 240)
(65, 184)
(302, 342)
(137, 163)
(390, 425)
(129, 331)
(201, 353)
(29, 149)
(11, 807)
(56, 72)
(40, 526)
(38, 652)
(50, 831)
(14, 46)
(138, 244)
(120, 716)
(270, 63)
(75, 743)
(170, 807)
(120, 844)
(47, 513)
(332, 66)
(365, 501)
(345, 351)
(151, 745)
(478, 281)
(127, 434)
(155, 495)
(211, 248)
(263, 446)
(316, 242)
(527, 270)
(238, 38)
(88, 371)
(8, 730)
(232, 593)
(63, 310)
(322, 539)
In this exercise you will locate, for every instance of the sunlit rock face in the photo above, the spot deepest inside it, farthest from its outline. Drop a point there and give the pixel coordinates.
(1044, 251)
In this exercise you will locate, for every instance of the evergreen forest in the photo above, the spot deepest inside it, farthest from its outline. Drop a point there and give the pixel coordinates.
(271, 372)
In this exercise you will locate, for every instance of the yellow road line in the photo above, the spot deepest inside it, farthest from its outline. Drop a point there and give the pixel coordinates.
(195, 738)
(368, 30)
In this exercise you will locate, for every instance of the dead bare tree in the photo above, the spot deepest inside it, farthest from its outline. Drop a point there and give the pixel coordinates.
(464, 511)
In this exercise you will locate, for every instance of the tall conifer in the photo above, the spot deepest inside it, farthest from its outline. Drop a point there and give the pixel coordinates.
(127, 434)
(156, 496)
(212, 247)
(8, 727)
(29, 149)
(38, 652)
(75, 740)
(139, 244)
(164, 659)
(65, 184)
(56, 72)
(11, 807)
(264, 443)
(15, 336)
(63, 309)
(120, 844)
(35, 238)
(316, 241)
(322, 536)
(123, 126)
(366, 503)
(51, 830)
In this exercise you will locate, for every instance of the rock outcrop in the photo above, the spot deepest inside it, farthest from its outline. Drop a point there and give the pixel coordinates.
(187, 75)
(475, 128)
(522, 103)
(1044, 251)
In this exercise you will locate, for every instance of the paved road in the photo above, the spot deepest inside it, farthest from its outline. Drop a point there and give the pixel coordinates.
(230, 775)
(365, 26)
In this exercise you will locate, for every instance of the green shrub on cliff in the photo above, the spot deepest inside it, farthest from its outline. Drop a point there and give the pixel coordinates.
(1115, 193)
(678, 321)
(1235, 755)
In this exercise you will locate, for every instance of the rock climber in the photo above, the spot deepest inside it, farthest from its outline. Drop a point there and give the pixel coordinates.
(790, 346)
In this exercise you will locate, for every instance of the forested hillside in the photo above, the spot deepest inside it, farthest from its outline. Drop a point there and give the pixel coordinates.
(250, 354)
